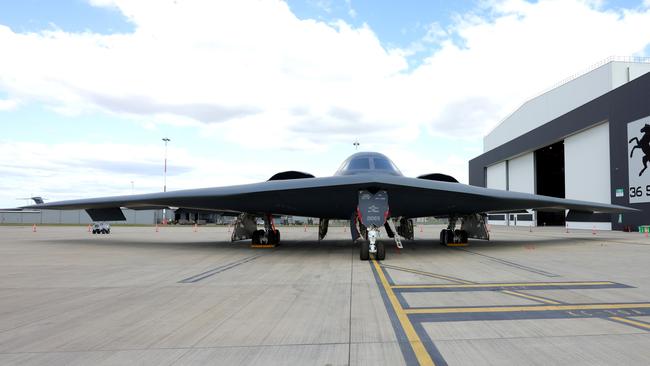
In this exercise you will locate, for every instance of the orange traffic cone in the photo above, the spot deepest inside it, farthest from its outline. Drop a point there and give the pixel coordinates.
(593, 230)
(34, 228)
(305, 227)
(89, 228)
(530, 228)
(195, 228)
(156, 227)
(420, 228)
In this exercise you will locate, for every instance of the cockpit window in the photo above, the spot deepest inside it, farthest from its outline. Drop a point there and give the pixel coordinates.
(383, 164)
(360, 163)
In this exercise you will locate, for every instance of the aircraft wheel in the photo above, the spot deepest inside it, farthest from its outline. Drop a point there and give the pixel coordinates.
(446, 236)
(381, 251)
(255, 238)
(463, 236)
(274, 237)
(364, 253)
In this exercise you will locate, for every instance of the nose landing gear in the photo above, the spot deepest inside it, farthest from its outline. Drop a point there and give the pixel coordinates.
(372, 212)
(372, 246)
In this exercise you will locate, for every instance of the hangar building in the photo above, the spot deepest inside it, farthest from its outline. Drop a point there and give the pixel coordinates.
(587, 139)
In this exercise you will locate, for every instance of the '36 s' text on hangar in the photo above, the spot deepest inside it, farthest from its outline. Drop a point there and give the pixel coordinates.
(588, 139)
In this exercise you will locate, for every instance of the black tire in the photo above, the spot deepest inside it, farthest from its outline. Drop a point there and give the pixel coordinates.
(381, 251)
(450, 236)
(274, 237)
(463, 237)
(364, 253)
(447, 237)
(255, 238)
(443, 237)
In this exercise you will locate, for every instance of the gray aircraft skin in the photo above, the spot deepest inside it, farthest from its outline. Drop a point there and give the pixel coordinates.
(364, 175)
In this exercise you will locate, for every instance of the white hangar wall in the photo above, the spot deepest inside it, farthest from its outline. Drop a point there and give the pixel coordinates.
(587, 170)
(521, 173)
(496, 176)
(517, 175)
(586, 175)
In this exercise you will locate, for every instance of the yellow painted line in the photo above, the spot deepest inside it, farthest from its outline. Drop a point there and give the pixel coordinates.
(503, 309)
(531, 297)
(528, 284)
(630, 321)
(420, 351)
(262, 246)
(428, 274)
(456, 245)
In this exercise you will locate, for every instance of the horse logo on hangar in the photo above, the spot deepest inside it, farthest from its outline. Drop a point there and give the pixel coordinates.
(638, 134)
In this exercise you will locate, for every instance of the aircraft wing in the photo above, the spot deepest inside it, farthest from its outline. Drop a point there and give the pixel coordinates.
(337, 197)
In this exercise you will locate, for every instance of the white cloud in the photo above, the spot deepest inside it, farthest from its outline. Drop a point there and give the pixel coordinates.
(249, 63)
(8, 104)
(77, 170)
(102, 3)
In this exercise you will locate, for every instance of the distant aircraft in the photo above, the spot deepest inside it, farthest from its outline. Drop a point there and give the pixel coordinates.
(367, 189)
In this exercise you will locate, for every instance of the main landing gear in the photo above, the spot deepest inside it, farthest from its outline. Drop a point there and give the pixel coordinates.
(270, 236)
(246, 228)
(456, 237)
(453, 237)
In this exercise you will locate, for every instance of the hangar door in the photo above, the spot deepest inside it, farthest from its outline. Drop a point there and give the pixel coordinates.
(549, 181)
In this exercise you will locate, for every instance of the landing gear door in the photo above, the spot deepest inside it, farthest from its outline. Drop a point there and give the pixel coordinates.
(373, 208)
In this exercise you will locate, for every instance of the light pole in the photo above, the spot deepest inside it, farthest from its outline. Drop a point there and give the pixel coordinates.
(166, 140)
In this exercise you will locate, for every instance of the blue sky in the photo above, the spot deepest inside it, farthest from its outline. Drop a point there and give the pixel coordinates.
(89, 88)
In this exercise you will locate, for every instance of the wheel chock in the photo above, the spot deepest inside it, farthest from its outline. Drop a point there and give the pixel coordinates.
(263, 245)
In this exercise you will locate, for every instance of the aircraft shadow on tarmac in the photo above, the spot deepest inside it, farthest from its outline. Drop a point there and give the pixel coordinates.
(428, 245)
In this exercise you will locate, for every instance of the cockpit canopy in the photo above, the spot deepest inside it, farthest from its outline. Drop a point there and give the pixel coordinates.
(368, 162)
